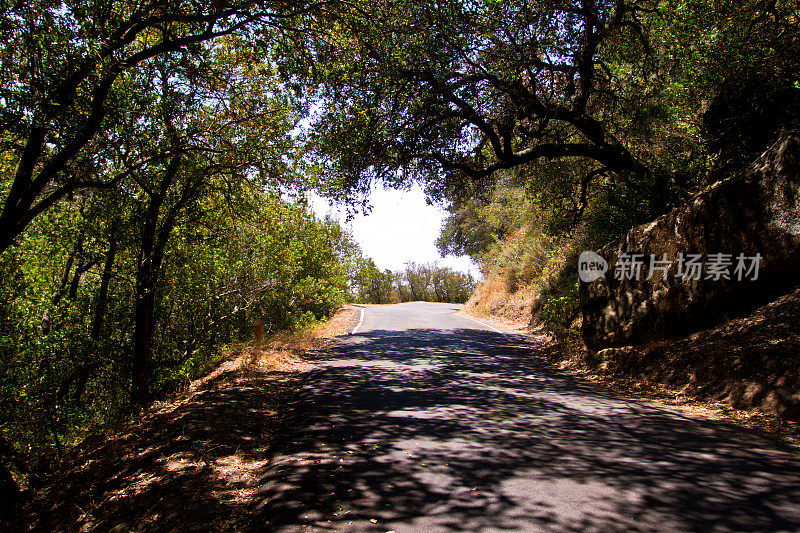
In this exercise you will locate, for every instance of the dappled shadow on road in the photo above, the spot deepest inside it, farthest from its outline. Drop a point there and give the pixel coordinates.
(425, 429)
(191, 466)
(463, 430)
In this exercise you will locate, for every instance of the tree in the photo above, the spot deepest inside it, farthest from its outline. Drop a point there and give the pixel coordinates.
(418, 278)
(464, 232)
(598, 101)
(146, 149)
(63, 66)
(198, 132)
(487, 86)
(373, 285)
(451, 286)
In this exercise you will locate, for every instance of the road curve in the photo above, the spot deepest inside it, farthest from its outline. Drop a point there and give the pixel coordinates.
(428, 421)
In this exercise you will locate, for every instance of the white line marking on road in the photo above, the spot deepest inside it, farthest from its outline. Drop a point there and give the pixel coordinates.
(482, 323)
(359, 323)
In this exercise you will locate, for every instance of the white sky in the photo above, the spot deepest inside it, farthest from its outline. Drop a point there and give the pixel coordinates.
(401, 227)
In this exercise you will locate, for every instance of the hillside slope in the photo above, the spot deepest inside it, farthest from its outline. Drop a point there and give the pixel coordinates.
(193, 464)
(748, 362)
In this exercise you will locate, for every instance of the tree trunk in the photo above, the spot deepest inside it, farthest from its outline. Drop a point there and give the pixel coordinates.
(83, 371)
(76, 280)
(144, 318)
(143, 341)
(9, 489)
(154, 241)
(102, 298)
(62, 287)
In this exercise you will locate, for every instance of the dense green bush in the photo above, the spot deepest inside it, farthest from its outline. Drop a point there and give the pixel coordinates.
(59, 380)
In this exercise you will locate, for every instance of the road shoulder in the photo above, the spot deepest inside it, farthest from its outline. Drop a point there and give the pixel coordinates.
(573, 360)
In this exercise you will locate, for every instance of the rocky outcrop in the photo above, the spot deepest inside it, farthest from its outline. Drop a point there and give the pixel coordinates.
(667, 278)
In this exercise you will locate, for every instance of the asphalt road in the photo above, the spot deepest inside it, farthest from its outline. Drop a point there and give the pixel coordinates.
(428, 421)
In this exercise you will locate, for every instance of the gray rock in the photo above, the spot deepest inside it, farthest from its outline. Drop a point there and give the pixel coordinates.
(756, 212)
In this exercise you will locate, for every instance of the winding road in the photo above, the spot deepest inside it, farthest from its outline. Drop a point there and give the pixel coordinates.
(425, 420)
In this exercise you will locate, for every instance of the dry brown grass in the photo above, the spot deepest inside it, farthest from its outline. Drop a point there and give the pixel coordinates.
(284, 351)
(492, 298)
(529, 268)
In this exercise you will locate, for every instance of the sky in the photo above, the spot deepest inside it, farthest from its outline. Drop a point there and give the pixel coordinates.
(401, 227)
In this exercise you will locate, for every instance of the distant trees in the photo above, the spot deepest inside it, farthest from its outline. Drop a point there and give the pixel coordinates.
(450, 286)
(375, 286)
(417, 282)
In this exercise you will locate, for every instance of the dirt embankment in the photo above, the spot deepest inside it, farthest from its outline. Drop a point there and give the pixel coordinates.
(749, 363)
(493, 299)
(191, 464)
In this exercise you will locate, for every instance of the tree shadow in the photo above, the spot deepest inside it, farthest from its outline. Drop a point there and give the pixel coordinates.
(191, 466)
(463, 430)
(427, 430)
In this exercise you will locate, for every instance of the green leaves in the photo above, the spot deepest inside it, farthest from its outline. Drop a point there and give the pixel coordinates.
(191, 154)
(428, 282)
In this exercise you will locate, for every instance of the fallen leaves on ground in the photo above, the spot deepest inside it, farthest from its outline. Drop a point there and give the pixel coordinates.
(194, 463)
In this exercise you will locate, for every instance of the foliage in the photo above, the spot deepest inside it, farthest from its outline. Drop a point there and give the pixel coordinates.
(278, 263)
(375, 286)
(612, 111)
(64, 85)
(491, 86)
(146, 152)
(558, 312)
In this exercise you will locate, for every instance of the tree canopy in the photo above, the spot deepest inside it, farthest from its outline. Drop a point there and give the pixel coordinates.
(611, 93)
(66, 68)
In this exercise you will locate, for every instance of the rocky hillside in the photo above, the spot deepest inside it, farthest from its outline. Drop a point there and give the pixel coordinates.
(722, 254)
(721, 335)
(748, 362)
